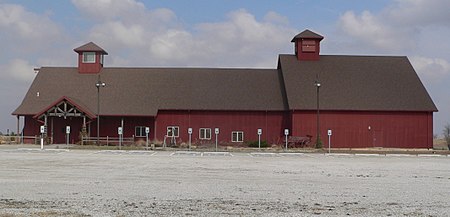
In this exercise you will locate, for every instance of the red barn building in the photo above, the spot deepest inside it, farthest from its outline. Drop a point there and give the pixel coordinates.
(367, 101)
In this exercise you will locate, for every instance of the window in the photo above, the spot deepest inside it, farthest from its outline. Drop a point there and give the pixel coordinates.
(88, 57)
(172, 131)
(140, 131)
(205, 133)
(308, 46)
(237, 136)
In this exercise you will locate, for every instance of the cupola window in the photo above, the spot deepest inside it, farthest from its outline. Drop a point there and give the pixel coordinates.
(308, 46)
(88, 57)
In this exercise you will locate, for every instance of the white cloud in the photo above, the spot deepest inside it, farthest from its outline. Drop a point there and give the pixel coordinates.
(273, 17)
(372, 30)
(128, 12)
(433, 70)
(397, 27)
(420, 12)
(173, 45)
(25, 35)
(17, 70)
(158, 38)
(30, 30)
(244, 40)
(117, 32)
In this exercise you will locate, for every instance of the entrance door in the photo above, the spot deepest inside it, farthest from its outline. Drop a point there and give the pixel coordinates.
(59, 129)
(378, 138)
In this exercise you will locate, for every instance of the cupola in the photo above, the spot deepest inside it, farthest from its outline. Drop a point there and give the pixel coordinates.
(307, 45)
(90, 58)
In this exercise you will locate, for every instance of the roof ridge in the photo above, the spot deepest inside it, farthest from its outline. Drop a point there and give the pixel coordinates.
(90, 46)
(349, 55)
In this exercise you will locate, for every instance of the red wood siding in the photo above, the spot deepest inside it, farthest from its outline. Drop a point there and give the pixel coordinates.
(31, 128)
(109, 126)
(59, 129)
(89, 68)
(351, 129)
(307, 54)
(56, 128)
(272, 124)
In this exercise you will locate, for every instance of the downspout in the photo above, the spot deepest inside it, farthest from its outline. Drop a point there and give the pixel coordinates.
(266, 130)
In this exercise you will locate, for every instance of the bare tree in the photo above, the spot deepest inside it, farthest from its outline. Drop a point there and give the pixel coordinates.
(446, 133)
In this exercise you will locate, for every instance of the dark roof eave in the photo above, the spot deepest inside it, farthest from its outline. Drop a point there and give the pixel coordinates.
(128, 115)
(227, 110)
(361, 110)
(307, 34)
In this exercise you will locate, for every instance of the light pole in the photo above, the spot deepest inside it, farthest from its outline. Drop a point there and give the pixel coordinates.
(98, 85)
(317, 84)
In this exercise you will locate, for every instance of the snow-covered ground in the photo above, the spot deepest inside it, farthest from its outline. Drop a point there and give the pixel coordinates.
(138, 183)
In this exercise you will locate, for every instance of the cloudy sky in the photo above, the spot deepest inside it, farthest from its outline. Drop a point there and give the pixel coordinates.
(220, 33)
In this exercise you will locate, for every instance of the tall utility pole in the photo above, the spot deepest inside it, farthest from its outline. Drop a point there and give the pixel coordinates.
(317, 84)
(99, 84)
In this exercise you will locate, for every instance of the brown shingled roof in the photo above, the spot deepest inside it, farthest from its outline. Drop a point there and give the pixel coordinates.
(144, 91)
(91, 46)
(371, 83)
(307, 34)
(357, 83)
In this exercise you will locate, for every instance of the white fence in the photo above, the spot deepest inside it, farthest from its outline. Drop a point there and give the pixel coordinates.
(85, 140)
(107, 140)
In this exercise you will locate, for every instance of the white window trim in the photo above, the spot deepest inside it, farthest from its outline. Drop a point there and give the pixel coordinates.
(178, 131)
(84, 57)
(237, 136)
(203, 137)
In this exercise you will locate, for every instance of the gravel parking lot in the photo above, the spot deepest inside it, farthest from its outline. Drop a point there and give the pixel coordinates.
(146, 183)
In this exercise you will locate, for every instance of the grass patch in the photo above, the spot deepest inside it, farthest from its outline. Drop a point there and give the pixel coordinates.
(254, 144)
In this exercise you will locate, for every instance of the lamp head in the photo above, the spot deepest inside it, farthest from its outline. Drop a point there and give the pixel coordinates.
(100, 84)
(317, 84)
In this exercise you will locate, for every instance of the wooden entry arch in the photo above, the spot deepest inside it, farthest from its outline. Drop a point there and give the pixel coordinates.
(64, 112)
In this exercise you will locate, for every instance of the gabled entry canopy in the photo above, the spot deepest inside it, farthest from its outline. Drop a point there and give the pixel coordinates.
(65, 107)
